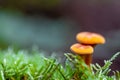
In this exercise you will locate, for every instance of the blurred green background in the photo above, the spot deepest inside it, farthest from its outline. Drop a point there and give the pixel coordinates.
(25, 31)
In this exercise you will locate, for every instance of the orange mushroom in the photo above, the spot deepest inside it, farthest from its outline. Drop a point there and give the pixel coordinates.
(85, 51)
(90, 38)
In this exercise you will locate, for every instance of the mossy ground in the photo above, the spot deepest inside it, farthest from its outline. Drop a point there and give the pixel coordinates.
(24, 65)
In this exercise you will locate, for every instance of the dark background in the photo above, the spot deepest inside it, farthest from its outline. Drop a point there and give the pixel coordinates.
(52, 25)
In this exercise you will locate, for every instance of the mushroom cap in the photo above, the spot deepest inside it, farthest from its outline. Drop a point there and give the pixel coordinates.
(81, 49)
(90, 38)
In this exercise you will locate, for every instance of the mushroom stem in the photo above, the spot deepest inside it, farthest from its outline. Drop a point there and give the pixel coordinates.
(93, 45)
(87, 58)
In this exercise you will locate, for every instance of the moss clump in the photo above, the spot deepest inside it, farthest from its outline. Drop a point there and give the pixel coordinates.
(22, 65)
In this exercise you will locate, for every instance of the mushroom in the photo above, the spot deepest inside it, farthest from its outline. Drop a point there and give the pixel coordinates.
(85, 51)
(90, 38)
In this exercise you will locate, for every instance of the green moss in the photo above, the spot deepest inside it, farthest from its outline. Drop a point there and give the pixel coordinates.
(22, 65)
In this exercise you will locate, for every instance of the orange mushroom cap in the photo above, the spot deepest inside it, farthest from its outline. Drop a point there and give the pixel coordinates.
(81, 49)
(90, 38)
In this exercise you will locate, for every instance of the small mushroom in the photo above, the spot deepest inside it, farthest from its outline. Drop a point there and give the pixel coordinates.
(85, 51)
(90, 38)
